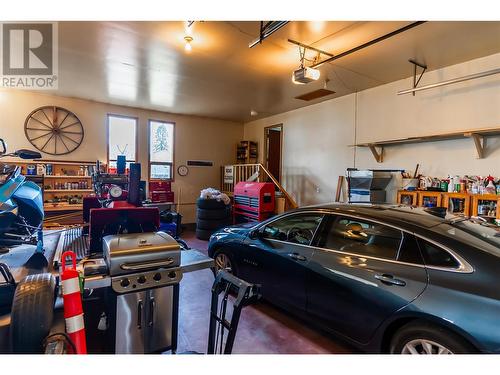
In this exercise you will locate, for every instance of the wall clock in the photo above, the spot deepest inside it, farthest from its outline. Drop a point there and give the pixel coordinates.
(54, 130)
(182, 170)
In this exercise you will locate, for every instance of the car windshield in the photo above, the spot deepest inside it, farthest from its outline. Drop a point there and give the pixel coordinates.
(483, 236)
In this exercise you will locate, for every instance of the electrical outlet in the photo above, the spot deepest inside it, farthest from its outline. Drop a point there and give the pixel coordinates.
(318, 190)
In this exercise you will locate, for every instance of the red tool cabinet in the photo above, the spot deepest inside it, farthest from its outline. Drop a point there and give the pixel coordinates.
(160, 191)
(253, 201)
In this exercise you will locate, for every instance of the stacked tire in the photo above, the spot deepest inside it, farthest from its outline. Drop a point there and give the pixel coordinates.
(211, 215)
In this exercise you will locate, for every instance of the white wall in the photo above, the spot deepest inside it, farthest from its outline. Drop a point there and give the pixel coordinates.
(315, 148)
(196, 138)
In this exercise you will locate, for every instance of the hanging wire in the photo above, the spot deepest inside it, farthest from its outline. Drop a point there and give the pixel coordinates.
(302, 53)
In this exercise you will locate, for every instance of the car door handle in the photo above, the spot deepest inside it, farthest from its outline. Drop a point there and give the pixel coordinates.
(389, 280)
(297, 256)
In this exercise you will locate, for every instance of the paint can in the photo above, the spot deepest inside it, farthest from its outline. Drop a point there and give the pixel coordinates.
(31, 170)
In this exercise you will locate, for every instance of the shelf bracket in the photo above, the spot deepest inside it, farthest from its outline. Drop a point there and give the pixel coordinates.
(415, 79)
(378, 155)
(480, 143)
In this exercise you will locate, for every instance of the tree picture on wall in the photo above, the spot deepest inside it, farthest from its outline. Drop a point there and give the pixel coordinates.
(161, 149)
(161, 139)
(161, 142)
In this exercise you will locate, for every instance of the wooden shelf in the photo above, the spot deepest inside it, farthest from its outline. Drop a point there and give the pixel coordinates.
(42, 161)
(49, 207)
(471, 201)
(477, 135)
(465, 197)
(246, 152)
(68, 190)
(70, 177)
(424, 195)
(413, 195)
(485, 197)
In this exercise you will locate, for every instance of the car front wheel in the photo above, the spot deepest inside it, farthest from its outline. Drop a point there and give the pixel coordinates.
(224, 261)
(423, 338)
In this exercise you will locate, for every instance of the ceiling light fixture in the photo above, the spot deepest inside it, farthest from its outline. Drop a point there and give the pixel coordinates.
(188, 38)
(187, 47)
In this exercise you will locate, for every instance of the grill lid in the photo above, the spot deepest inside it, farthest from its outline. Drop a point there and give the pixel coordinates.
(133, 252)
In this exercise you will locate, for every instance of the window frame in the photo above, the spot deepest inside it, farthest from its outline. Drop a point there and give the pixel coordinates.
(335, 218)
(464, 265)
(422, 242)
(108, 115)
(172, 164)
(410, 237)
(313, 239)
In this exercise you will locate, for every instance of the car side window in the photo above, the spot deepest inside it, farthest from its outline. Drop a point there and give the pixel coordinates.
(298, 228)
(410, 251)
(437, 257)
(363, 237)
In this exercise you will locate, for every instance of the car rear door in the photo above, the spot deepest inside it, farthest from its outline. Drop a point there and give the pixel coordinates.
(278, 257)
(355, 280)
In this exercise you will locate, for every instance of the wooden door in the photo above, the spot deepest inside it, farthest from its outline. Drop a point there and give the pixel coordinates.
(273, 157)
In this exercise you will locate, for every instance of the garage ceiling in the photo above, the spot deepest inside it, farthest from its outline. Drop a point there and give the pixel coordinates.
(143, 64)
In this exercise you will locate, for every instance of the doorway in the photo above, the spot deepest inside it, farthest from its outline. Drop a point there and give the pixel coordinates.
(273, 140)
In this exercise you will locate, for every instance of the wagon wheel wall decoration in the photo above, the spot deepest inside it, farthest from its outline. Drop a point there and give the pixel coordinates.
(54, 130)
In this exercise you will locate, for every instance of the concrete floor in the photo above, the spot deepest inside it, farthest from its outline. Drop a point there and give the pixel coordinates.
(263, 328)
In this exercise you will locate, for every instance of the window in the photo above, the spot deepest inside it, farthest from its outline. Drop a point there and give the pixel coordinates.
(122, 138)
(299, 228)
(161, 150)
(409, 251)
(437, 257)
(363, 238)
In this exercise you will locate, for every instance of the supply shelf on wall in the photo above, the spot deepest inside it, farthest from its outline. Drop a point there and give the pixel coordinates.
(477, 135)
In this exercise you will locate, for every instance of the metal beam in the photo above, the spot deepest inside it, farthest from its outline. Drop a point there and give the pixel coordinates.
(309, 47)
(450, 81)
(371, 42)
(267, 30)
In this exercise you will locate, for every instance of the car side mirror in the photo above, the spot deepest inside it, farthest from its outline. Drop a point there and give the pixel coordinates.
(256, 233)
(28, 154)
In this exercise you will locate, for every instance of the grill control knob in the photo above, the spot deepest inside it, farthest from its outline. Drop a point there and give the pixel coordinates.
(172, 275)
(141, 279)
(157, 276)
(125, 283)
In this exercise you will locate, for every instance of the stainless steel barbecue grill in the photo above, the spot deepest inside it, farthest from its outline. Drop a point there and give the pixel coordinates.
(145, 274)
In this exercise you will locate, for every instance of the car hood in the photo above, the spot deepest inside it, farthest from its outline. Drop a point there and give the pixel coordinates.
(239, 228)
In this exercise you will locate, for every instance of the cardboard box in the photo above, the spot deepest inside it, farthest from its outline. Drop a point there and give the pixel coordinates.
(280, 205)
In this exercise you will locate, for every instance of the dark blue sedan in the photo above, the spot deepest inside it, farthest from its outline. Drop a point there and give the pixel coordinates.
(387, 279)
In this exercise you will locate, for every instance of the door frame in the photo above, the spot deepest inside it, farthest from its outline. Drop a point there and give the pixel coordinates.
(266, 129)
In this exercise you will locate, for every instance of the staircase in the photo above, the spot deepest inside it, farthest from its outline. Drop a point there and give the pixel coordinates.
(256, 173)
